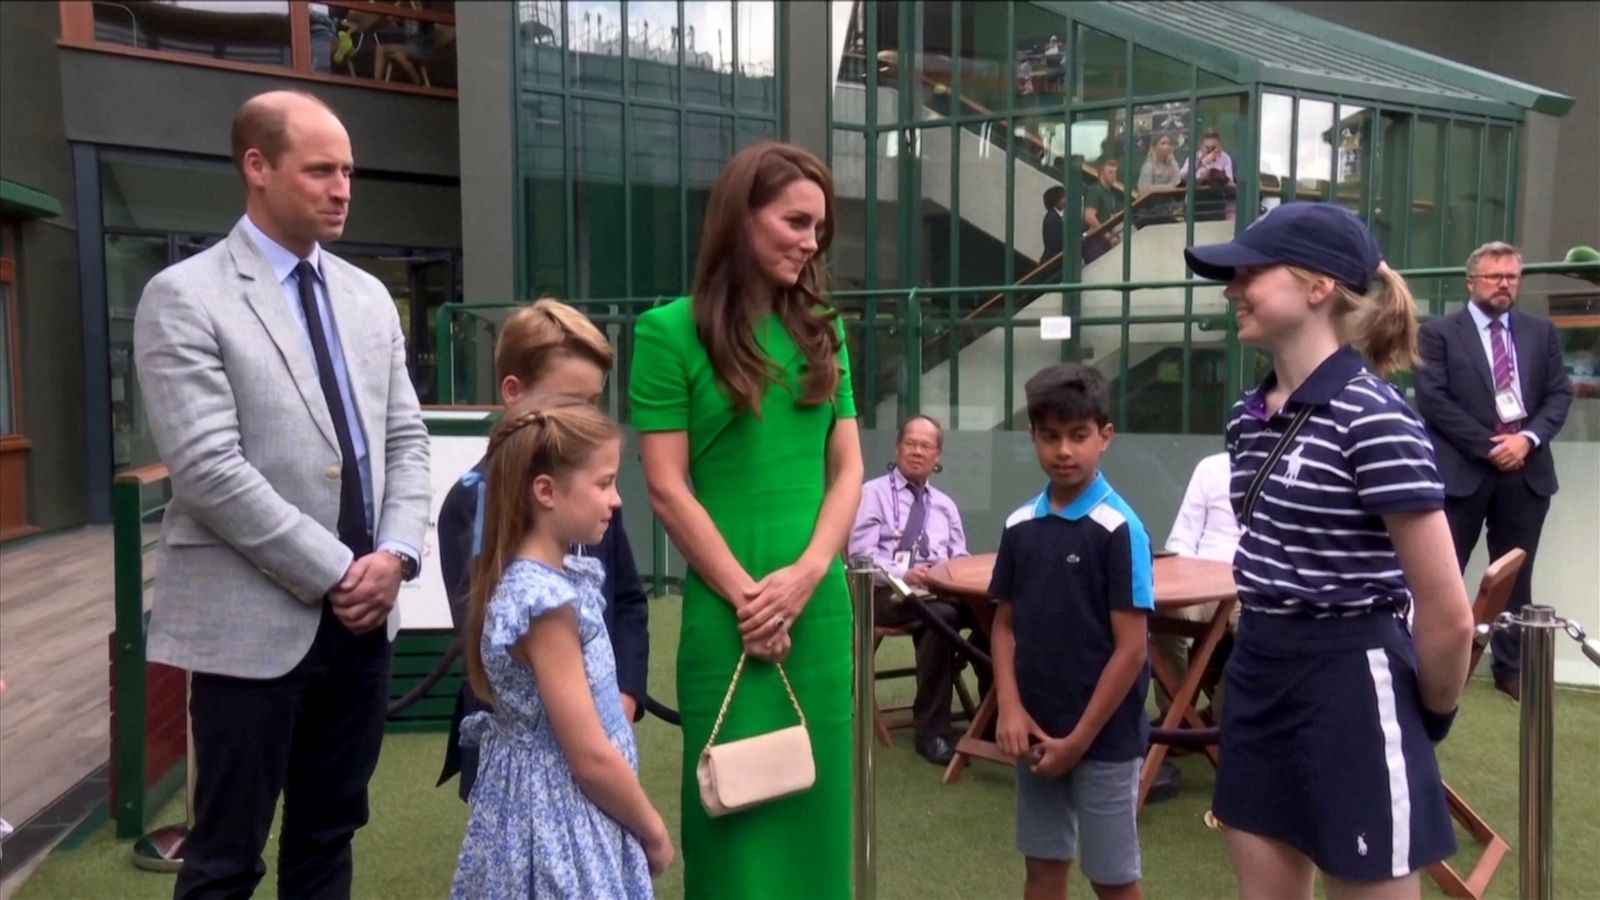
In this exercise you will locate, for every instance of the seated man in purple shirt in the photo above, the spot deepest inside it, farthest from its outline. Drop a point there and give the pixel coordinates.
(905, 526)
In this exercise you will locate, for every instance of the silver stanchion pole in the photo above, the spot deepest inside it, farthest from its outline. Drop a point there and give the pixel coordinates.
(861, 588)
(1539, 626)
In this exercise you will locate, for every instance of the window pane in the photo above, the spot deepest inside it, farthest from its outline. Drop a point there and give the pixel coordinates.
(1427, 211)
(1208, 80)
(1162, 137)
(130, 264)
(1223, 125)
(935, 223)
(598, 199)
(1391, 215)
(932, 89)
(887, 57)
(1101, 136)
(708, 52)
(1103, 66)
(653, 49)
(758, 64)
(1354, 144)
(710, 144)
(1277, 147)
(538, 43)
(594, 33)
(847, 256)
(168, 194)
(1040, 83)
(848, 34)
(1314, 151)
(653, 190)
(1157, 73)
(1461, 229)
(1496, 169)
(256, 32)
(543, 208)
(985, 85)
(382, 48)
(752, 131)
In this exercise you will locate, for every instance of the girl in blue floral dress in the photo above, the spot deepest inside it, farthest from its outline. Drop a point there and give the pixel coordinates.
(557, 810)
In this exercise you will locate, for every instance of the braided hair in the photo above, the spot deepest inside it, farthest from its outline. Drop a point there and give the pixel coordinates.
(541, 437)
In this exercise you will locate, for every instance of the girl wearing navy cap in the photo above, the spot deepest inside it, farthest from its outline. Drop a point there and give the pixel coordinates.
(1353, 647)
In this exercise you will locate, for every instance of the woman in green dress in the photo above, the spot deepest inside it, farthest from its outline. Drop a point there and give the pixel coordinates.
(741, 395)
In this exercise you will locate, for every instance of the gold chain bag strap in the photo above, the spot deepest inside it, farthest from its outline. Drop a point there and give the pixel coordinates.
(742, 774)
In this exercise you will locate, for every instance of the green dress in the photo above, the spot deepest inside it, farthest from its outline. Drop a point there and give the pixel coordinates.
(762, 481)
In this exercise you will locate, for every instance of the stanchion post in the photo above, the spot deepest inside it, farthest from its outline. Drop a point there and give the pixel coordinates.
(861, 587)
(1539, 626)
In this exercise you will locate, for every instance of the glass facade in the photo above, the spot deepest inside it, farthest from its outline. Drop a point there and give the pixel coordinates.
(625, 116)
(984, 152)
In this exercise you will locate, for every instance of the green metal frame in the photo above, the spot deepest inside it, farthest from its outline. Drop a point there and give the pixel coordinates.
(136, 800)
(570, 95)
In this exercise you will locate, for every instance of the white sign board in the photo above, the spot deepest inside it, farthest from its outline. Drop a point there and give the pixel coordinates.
(1055, 328)
(423, 603)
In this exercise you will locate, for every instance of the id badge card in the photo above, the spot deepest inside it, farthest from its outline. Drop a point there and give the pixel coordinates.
(902, 559)
(1509, 406)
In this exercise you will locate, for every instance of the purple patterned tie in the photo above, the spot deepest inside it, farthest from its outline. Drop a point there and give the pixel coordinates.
(1503, 373)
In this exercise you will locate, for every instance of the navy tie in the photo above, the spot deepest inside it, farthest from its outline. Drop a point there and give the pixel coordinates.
(916, 519)
(353, 531)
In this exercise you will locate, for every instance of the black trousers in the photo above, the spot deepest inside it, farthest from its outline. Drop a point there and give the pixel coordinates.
(312, 735)
(1515, 516)
(936, 658)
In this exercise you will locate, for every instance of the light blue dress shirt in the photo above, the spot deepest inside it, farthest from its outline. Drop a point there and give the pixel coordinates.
(283, 263)
(1482, 320)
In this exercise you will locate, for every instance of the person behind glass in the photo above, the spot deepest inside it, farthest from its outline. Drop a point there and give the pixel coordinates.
(741, 395)
(1160, 169)
(1205, 528)
(274, 376)
(1494, 393)
(1073, 587)
(906, 526)
(1352, 650)
(1055, 204)
(1100, 203)
(547, 349)
(1213, 170)
(558, 810)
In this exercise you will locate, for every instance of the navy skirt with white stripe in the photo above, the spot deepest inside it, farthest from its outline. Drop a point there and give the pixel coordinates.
(1324, 747)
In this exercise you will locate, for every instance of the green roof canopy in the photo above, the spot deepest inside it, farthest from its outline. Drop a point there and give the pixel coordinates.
(1259, 42)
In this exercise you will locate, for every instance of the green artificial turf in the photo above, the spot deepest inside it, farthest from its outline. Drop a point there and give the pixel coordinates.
(934, 841)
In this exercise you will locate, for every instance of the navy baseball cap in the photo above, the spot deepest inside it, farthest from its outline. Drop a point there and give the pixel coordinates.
(1322, 237)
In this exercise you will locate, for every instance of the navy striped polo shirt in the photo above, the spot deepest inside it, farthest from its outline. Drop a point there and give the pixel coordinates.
(1317, 546)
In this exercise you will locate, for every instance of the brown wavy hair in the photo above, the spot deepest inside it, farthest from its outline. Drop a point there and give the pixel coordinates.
(548, 436)
(536, 335)
(726, 278)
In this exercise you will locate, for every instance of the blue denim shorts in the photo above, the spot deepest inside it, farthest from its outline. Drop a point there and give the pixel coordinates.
(1095, 805)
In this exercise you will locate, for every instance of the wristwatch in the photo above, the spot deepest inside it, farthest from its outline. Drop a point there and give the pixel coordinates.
(408, 566)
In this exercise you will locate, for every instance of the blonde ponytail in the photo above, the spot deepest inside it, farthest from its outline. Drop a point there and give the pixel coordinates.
(1381, 322)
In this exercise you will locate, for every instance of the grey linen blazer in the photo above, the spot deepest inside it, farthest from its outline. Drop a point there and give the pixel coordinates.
(248, 546)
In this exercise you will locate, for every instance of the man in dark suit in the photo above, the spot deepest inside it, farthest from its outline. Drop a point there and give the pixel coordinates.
(547, 349)
(1493, 392)
(1055, 201)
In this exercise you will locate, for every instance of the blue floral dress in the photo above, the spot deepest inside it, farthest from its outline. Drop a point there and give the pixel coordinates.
(532, 831)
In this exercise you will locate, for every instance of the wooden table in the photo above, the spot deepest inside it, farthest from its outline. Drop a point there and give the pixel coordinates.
(1179, 582)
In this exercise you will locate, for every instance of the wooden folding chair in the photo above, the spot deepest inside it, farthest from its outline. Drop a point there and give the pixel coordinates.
(1494, 592)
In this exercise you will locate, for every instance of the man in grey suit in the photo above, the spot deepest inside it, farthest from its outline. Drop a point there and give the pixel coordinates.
(274, 374)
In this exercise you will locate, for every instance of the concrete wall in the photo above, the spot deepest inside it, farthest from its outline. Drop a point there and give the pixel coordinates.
(489, 183)
(1551, 45)
(33, 152)
(160, 105)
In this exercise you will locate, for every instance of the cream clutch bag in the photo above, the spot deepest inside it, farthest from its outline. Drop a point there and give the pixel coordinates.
(742, 774)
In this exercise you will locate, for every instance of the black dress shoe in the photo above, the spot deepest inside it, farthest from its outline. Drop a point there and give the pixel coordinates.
(1511, 686)
(937, 750)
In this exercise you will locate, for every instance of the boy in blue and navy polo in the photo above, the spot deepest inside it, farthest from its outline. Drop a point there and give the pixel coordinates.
(1073, 585)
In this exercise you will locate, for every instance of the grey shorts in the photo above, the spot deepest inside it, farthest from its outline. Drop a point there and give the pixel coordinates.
(1096, 804)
